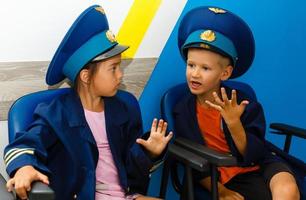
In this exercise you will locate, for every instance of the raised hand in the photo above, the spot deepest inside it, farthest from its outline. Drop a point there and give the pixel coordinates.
(23, 179)
(229, 108)
(158, 140)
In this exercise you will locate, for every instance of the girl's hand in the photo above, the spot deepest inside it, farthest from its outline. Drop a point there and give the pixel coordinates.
(23, 179)
(229, 109)
(157, 141)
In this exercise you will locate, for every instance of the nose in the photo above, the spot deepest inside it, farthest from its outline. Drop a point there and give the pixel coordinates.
(195, 72)
(120, 74)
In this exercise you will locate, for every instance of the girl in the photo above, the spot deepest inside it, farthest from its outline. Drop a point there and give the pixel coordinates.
(84, 143)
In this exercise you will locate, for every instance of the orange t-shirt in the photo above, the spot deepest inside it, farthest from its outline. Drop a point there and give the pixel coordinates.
(209, 121)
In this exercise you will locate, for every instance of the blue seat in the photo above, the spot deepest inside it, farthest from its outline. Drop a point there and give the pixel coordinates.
(21, 112)
(193, 156)
(20, 117)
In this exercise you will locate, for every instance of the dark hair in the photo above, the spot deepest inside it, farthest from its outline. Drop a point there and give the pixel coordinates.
(92, 67)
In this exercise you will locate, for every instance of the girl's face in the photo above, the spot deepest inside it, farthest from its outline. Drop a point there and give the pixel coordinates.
(107, 78)
(205, 70)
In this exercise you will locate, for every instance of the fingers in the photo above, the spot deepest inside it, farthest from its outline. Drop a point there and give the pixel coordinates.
(21, 188)
(43, 178)
(169, 136)
(217, 107)
(217, 99)
(234, 97)
(164, 127)
(141, 142)
(224, 95)
(153, 127)
(10, 184)
(160, 127)
(245, 102)
(23, 179)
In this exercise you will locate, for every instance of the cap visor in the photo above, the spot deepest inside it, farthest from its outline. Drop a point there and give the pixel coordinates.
(112, 52)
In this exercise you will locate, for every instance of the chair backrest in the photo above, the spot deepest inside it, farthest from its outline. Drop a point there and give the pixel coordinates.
(20, 115)
(174, 94)
(21, 112)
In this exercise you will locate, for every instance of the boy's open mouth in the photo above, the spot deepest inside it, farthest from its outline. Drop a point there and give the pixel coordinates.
(195, 84)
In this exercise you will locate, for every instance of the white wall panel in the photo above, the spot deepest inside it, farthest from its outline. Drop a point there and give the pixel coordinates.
(32, 30)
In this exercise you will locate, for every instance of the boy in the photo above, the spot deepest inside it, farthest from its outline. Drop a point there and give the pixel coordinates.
(218, 45)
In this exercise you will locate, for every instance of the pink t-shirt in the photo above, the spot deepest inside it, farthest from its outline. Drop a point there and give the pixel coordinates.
(107, 179)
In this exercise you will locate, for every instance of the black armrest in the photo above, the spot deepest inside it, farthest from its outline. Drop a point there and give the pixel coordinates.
(284, 129)
(194, 161)
(212, 156)
(41, 191)
(4, 194)
(189, 159)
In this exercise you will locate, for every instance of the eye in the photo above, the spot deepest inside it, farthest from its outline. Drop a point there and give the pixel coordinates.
(191, 65)
(205, 68)
(114, 67)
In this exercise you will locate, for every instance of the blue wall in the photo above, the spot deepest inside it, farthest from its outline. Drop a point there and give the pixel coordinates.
(278, 73)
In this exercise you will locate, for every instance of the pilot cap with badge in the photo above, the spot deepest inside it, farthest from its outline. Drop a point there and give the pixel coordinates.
(220, 31)
(88, 40)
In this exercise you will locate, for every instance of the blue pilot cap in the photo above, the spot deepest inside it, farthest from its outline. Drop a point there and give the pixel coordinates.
(221, 31)
(88, 40)
(212, 41)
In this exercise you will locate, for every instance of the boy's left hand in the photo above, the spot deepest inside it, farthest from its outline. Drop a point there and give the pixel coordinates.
(157, 141)
(229, 108)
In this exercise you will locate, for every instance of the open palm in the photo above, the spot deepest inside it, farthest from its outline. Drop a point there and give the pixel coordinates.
(157, 140)
(229, 108)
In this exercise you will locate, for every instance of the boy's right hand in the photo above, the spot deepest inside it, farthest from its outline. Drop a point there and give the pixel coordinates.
(23, 179)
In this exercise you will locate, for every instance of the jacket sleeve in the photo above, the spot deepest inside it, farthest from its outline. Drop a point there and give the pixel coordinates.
(254, 124)
(137, 162)
(30, 148)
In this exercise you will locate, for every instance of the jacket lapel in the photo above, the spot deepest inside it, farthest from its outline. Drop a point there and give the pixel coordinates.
(116, 117)
(116, 114)
(192, 116)
(76, 117)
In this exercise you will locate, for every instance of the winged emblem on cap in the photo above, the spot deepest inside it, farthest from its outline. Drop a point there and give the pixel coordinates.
(100, 9)
(217, 10)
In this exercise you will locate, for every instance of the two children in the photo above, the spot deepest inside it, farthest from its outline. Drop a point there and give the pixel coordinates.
(83, 143)
(86, 144)
(217, 45)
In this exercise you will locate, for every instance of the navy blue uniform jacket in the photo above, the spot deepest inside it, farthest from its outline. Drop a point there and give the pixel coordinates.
(65, 149)
(258, 150)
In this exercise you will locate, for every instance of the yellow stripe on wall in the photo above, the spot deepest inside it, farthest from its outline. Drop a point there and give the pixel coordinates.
(136, 24)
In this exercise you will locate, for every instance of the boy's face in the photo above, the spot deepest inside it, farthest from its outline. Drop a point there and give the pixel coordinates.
(205, 70)
(107, 77)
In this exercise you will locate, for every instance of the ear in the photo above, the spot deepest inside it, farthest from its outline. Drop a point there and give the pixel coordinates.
(84, 76)
(227, 72)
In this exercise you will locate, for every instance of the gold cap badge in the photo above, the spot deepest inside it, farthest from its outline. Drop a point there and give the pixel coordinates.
(217, 10)
(100, 9)
(208, 36)
(110, 36)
